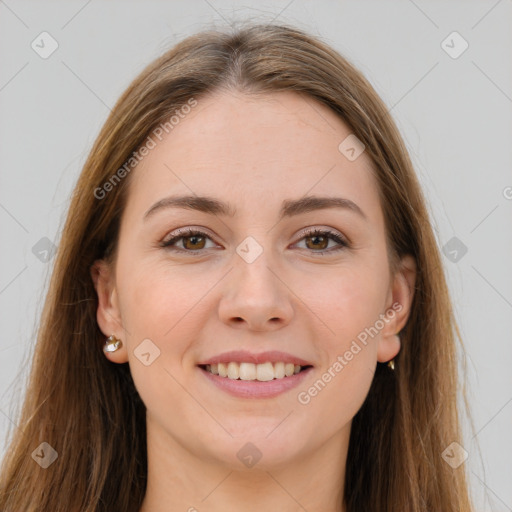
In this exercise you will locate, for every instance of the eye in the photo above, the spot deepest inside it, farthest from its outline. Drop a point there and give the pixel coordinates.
(192, 240)
(320, 238)
(317, 240)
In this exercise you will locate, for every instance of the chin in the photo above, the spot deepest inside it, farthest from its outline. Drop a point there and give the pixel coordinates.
(259, 448)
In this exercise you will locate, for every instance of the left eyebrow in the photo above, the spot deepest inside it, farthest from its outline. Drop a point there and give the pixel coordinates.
(289, 208)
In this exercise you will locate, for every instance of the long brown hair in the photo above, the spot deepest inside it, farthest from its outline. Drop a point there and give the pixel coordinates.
(88, 410)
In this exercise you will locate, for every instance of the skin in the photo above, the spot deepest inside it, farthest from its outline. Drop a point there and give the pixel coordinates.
(253, 152)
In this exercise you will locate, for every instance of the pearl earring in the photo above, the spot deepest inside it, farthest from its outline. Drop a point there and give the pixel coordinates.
(112, 344)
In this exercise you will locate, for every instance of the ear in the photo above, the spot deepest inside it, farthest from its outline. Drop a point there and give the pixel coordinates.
(108, 314)
(398, 308)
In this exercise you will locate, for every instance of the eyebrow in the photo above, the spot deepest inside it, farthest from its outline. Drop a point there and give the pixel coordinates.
(289, 207)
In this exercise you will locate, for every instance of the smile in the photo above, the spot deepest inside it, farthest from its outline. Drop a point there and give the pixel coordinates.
(250, 371)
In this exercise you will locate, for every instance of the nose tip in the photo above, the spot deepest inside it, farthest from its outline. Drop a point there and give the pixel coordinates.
(258, 312)
(254, 297)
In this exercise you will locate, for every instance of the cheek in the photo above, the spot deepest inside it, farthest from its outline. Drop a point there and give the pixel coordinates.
(333, 398)
(349, 305)
(157, 300)
(157, 309)
(345, 301)
(167, 304)
(159, 305)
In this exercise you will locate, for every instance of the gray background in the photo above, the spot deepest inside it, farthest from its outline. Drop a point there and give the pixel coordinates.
(454, 113)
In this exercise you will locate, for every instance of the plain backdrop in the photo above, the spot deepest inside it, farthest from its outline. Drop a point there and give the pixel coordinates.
(451, 96)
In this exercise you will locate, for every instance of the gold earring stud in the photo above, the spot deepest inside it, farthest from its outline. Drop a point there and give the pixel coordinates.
(391, 364)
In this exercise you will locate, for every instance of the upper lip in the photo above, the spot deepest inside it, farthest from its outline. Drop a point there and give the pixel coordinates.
(243, 356)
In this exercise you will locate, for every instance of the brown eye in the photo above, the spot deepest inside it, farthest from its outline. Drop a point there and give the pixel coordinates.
(193, 242)
(317, 242)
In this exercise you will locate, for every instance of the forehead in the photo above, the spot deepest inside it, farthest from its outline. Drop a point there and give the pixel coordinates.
(247, 149)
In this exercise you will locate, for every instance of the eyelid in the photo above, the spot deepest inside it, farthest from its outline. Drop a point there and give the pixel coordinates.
(189, 231)
(185, 233)
(324, 229)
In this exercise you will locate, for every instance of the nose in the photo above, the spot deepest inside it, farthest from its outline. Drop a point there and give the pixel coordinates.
(256, 296)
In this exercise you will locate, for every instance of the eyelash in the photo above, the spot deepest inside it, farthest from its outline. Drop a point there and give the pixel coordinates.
(189, 232)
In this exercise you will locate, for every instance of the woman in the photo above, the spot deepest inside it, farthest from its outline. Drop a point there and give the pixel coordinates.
(248, 307)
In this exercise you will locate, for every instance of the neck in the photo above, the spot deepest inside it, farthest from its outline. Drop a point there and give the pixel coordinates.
(179, 479)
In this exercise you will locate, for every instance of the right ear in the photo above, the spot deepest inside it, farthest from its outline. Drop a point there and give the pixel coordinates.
(108, 314)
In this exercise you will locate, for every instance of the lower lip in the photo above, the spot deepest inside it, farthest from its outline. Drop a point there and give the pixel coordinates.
(255, 388)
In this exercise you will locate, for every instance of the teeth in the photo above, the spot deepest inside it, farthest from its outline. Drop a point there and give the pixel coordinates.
(289, 369)
(249, 371)
(264, 372)
(233, 370)
(279, 370)
(223, 370)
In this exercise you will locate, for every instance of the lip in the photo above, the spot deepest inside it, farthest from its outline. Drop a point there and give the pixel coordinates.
(243, 356)
(253, 388)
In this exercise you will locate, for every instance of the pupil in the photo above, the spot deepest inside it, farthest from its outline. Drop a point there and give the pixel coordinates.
(193, 239)
(316, 238)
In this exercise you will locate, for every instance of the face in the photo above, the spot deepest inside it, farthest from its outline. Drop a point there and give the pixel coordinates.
(254, 278)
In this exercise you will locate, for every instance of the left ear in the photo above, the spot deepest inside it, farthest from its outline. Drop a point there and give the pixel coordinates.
(398, 308)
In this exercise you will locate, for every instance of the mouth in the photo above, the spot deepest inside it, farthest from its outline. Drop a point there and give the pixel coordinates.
(247, 371)
(246, 374)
